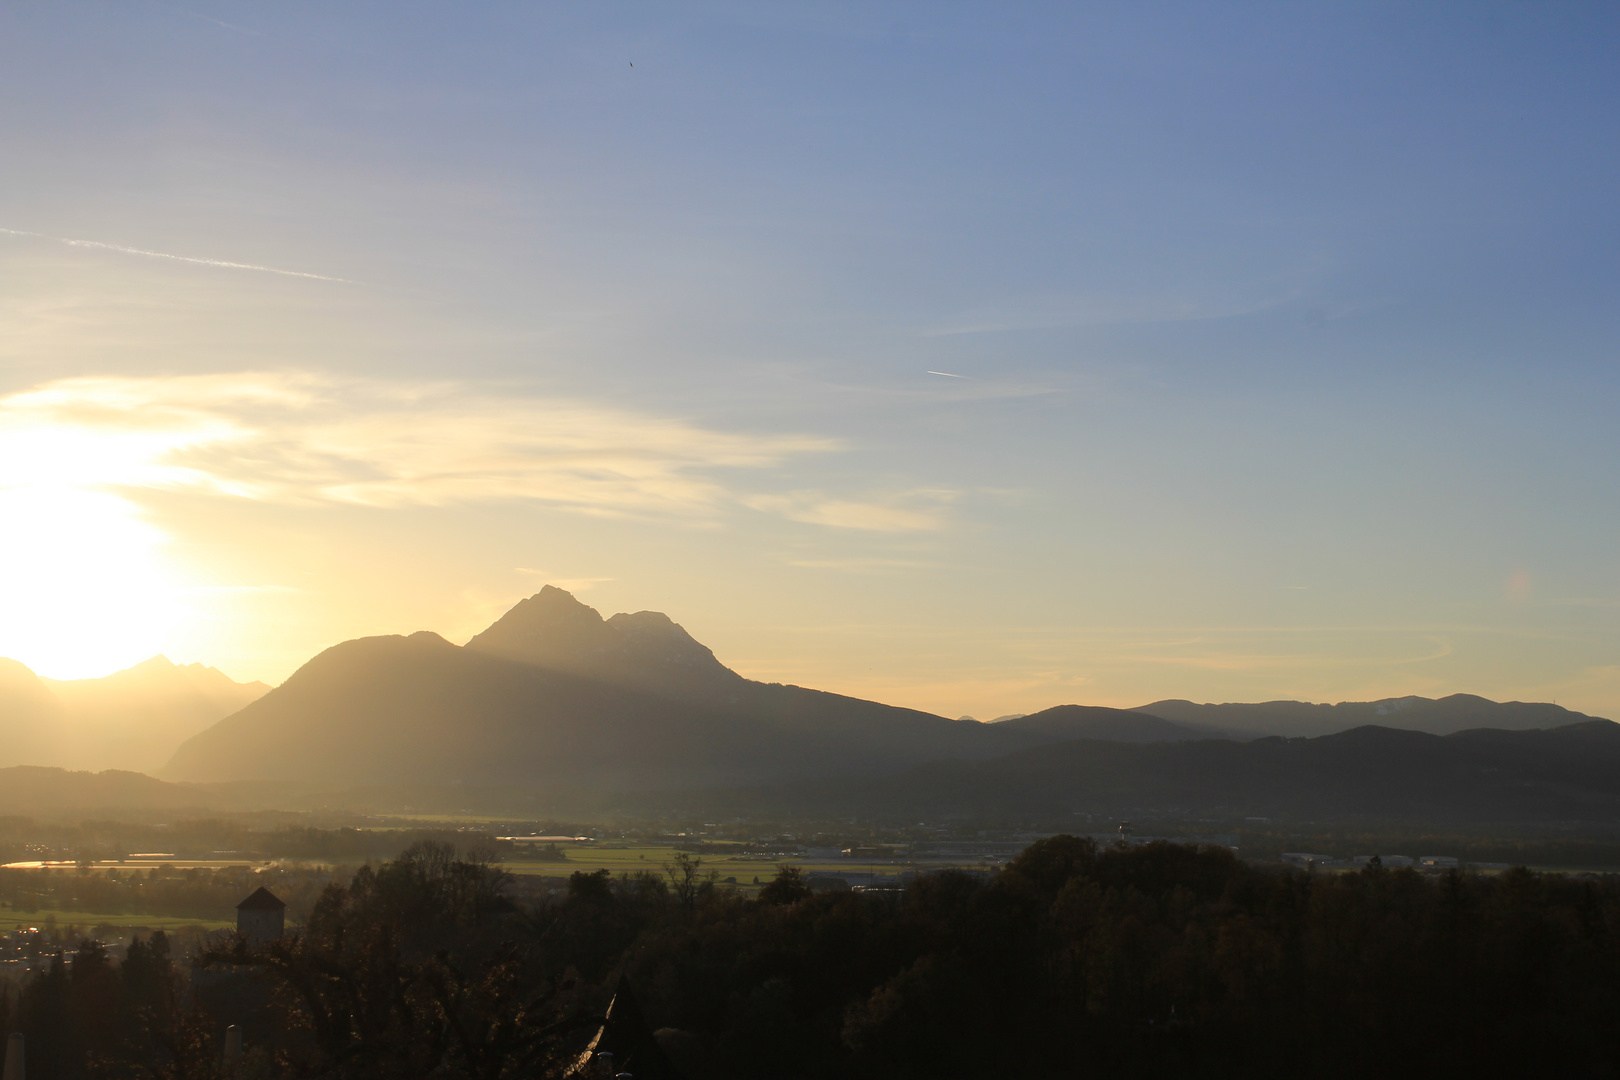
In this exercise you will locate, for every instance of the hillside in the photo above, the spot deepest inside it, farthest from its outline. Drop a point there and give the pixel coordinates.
(1293, 719)
(1063, 723)
(1567, 774)
(31, 789)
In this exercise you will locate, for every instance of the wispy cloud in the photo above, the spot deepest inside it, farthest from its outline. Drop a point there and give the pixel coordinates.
(919, 509)
(1042, 313)
(864, 565)
(303, 438)
(222, 263)
(221, 23)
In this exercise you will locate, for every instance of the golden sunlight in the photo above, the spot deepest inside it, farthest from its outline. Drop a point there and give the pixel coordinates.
(82, 586)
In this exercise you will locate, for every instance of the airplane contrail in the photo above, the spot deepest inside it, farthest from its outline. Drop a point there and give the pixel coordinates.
(948, 375)
(179, 258)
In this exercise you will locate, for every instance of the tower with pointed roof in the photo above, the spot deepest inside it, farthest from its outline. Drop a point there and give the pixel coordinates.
(261, 918)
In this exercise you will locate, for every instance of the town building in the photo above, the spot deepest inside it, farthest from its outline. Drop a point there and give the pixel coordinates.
(261, 918)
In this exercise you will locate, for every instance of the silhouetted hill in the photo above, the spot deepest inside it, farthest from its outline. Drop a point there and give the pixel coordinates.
(554, 697)
(633, 703)
(32, 789)
(1566, 774)
(1067, 722)
(1458, 712)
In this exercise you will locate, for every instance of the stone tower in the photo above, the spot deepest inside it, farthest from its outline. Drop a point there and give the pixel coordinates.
(261, 918)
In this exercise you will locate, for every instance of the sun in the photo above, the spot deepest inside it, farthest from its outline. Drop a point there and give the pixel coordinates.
(83, 588)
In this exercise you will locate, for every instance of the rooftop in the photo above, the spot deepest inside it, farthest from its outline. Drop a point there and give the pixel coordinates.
(261, 899)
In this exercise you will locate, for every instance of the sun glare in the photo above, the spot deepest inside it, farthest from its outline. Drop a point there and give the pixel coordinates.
(83, 591)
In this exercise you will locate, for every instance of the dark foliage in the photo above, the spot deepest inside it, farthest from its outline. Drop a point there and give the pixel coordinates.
(1073, 961)
(788, 887)
(1159, 960)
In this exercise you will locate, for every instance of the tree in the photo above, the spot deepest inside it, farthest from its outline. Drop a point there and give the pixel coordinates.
(787, 887)
(686, 879)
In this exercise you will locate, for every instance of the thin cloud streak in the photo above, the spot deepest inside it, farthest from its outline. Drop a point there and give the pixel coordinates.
(920, 510)
(1110, 310)
(864, 565)
(223, 263)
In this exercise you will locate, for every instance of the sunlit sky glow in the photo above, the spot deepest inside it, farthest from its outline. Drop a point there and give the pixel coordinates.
(971, 357)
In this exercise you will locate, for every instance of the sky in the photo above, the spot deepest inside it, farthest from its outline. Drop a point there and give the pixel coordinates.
(971, 357)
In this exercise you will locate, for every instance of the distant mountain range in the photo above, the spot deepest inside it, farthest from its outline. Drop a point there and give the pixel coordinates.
(1459, 712)
(554, 697)
(555, 701)
(132, 720)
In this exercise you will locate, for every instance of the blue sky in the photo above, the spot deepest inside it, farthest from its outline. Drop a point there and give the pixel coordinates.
(1279, 339)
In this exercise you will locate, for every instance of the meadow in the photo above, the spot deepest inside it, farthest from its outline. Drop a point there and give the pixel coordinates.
(11, 919)
(733, 864)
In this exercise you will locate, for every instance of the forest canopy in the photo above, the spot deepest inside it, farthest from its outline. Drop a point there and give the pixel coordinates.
(1152, 960)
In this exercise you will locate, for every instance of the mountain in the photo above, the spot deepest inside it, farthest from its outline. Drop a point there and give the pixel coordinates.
(554, 695)
(554, 698)
(32, 720)
(645, 650)
(1459, 712)
(132, 719)
(1569, 774)
(1064, 723)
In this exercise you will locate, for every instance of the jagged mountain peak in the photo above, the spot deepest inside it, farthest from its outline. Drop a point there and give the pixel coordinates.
(550, 628)
(650, 626)
(644, 620)
(553, 630)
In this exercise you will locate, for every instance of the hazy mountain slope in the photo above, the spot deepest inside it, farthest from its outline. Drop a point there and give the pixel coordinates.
(420, 710)
(1443, 716)
(1068, 722)
(1567, 774)
(136, 718)
(32, 720)
(33, 789)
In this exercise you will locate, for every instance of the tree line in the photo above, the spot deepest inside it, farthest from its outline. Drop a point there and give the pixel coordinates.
(1074, 960)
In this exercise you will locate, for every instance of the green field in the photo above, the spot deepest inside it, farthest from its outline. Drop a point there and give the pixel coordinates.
(11, 920)
(628, 858)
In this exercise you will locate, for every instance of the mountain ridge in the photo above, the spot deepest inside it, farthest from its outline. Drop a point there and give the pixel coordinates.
(1569, 774)
(131, 719)
(1437, 716)
(383, 708)
(553, 695)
